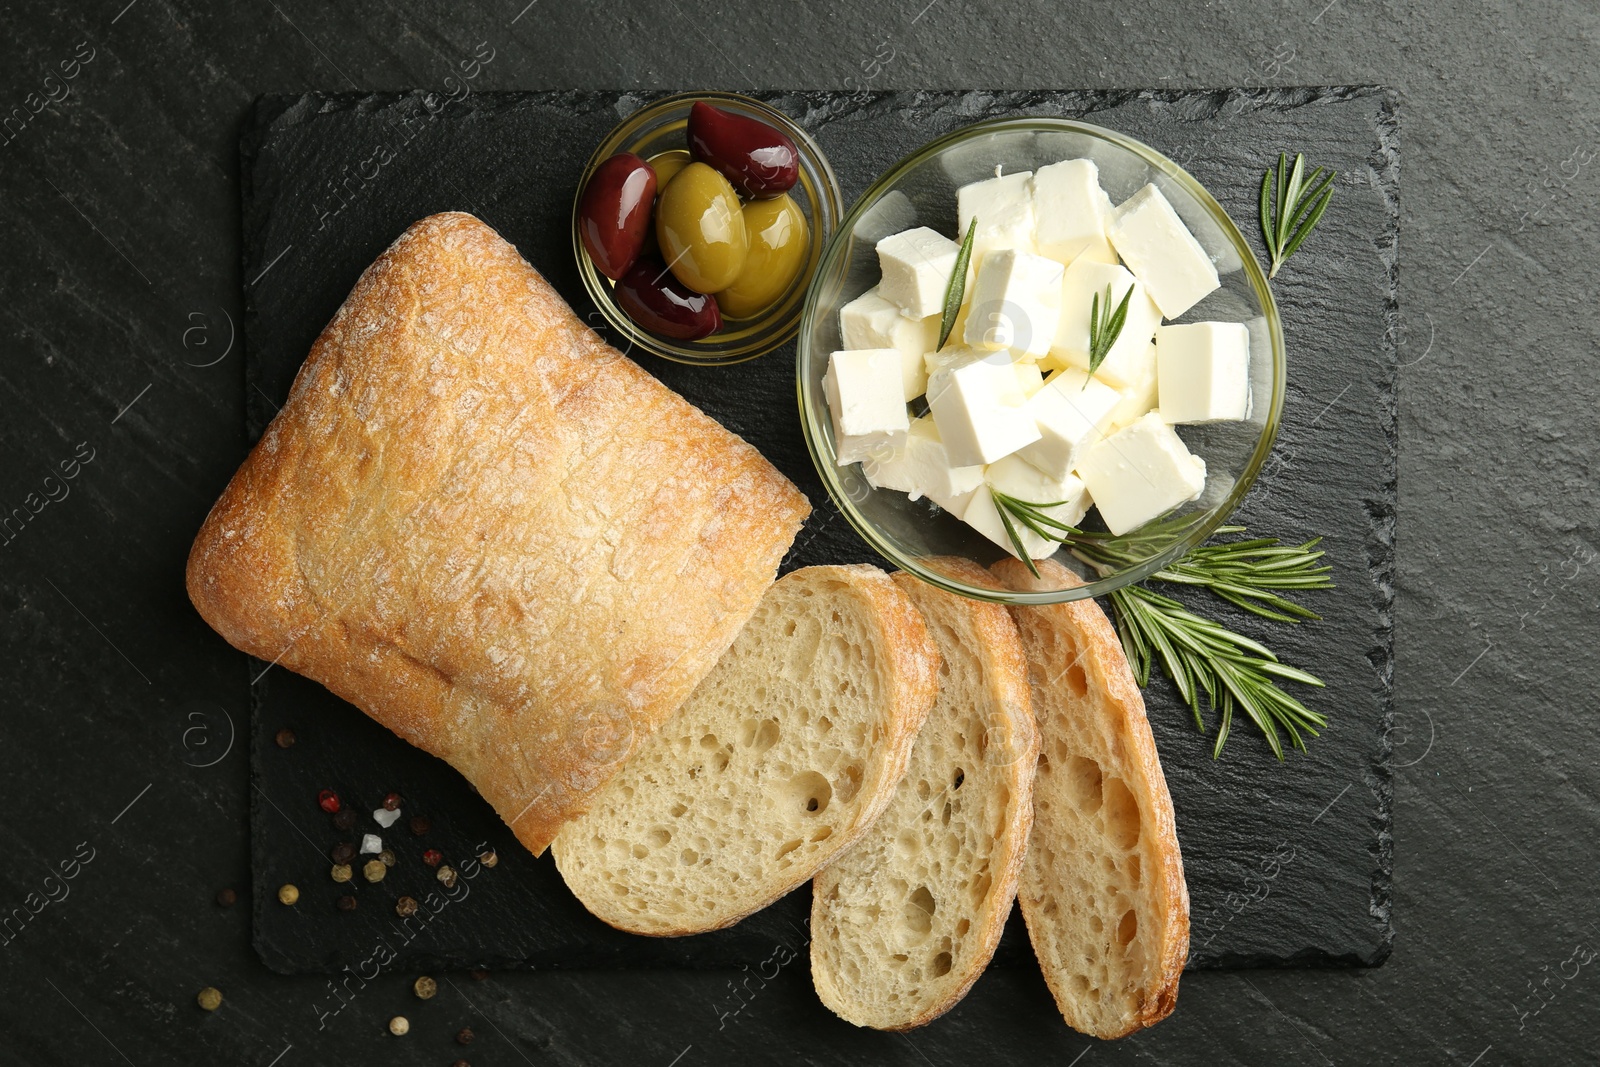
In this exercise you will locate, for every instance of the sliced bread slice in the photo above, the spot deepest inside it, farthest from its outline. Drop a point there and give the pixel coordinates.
(906, 921)
(1102, 888)
(780, 759)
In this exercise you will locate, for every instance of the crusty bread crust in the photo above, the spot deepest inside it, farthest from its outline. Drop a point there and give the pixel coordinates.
(1009, 745)
(489, 530)
(1113, 706)
(606, 849)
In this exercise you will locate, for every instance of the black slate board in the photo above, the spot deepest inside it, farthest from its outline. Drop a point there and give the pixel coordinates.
(1286, 864)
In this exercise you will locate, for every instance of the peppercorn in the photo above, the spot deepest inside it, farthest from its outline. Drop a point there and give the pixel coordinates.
(425, 988)
(420, 825)
(478, 976)
(465, 1035)
(399, 1026)
(391, 802)
(374, 870)
(209, 998)
(388, 857)
(227, 898)
(341, 872)
(405, 906)
(433, 857)
(288, 893)
(328, 801)
(488, 857)
(461, 1063)
(285, 738)
(346, 903)
(345, 819)
(447, 875)
(343, 852)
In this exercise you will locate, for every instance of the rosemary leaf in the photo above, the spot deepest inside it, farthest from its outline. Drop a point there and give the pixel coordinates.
(1105, 326)
(1291, 205)
(1211, 666)
(956, 290)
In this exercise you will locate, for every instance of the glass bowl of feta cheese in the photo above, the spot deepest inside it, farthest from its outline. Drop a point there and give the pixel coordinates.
(1033, 332)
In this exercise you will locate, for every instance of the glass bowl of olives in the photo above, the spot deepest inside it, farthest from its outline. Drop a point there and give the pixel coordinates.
(698, 224)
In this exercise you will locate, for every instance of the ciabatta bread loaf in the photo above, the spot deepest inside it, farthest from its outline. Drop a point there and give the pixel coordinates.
(779, 761)
(906, 921)
(490, 531)
(1102, 888)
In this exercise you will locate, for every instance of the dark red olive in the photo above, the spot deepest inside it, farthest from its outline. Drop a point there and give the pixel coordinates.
(757, 159)
(614, 214)
(656, 300)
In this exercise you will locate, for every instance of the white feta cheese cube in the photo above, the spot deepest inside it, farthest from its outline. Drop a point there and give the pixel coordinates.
(1003, 207)
(1020, 481)
(1030, 379)
(916, 268)
(863, 391)
(1025, 380)
(1070, 211)
(1141, 396)
(1015, 303)
(967, 399)
(870, 321)
(921, 466)
(1155, 244)
(1141, 472)
(1081, 284)
(1073, 413)
(1204, 371)
(1099, 254)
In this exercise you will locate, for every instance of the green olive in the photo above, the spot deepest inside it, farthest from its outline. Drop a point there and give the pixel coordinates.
(701, 229)
(778, 246)
(667, 164)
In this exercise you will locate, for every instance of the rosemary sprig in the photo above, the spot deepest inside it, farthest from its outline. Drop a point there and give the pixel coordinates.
(1291, 206)
(1105, 326)
(1031, 515)
(956, 289)
(1202, 656)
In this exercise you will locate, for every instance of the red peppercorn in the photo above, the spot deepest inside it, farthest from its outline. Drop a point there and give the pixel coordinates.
(391, 802)
(328, 801)
(433, 857)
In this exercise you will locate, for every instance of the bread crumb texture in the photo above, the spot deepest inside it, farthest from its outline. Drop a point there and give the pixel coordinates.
(907, 920)
(1102, 889)
(781, 757)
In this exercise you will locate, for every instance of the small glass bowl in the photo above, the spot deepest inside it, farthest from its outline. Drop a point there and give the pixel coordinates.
(660, 126)
(920, 190)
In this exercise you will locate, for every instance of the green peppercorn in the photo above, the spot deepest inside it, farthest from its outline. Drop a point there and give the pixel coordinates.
(288, 893)
(405, 906)
(447, 875)
(340, 872)
(374, 870)
(425, 988)
(209, 998)
(388, 857)
(399, 1026)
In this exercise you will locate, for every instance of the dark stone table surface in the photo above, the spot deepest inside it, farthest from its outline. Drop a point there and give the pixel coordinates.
(121, 364)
